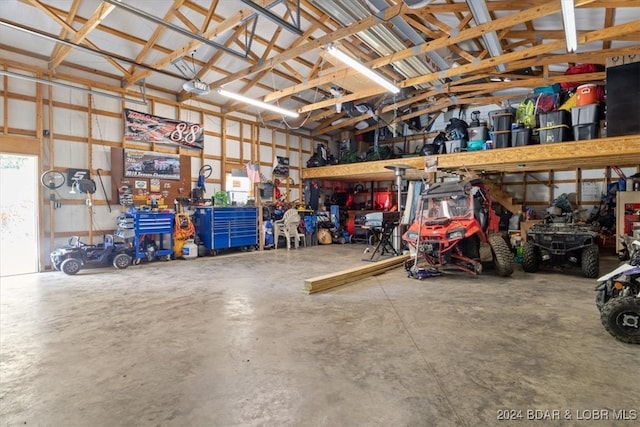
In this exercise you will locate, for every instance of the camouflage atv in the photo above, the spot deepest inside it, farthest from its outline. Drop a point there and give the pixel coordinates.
(557, 244)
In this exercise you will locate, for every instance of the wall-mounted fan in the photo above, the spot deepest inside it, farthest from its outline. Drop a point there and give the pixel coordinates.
(52, 179)
(193, 84)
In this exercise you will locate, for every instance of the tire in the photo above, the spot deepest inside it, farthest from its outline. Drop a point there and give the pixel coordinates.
(621, 318)
(501, 255)
(70, 266)
(530, 257)
(408, 264)
(599, 298)
(507, 239)
(590, 261)
(121, 261)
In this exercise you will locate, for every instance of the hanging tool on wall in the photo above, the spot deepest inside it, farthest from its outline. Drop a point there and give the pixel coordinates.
(103, 190)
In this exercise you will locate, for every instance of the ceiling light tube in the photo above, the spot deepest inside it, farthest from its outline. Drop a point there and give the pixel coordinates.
(257, 103)
(338, 54)
(569, 21)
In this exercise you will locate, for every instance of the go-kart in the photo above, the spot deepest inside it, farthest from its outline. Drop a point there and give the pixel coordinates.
(78, 255)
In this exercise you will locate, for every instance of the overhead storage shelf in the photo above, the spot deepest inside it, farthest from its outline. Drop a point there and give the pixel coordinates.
(596, 153)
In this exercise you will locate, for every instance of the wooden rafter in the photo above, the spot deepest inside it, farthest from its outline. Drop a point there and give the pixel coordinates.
(101, 12)
(491, 62)
(194, 44)
(52, 13)
(208, 17)
(156, 34)
(73, 10)
(311, 45)
(303, 74)
(608, 22)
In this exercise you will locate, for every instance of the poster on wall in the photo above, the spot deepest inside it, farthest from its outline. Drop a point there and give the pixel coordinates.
(148, 164)
(149, 128)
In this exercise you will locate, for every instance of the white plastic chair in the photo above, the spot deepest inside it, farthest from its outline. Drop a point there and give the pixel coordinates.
(288, 227)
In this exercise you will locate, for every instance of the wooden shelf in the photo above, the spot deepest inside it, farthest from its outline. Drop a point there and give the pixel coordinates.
(592, 154)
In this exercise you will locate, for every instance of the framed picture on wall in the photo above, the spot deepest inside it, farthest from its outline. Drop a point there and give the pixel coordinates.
(148, 164)
(154, 185)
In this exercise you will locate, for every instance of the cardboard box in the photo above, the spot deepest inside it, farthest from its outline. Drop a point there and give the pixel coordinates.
(363, 147)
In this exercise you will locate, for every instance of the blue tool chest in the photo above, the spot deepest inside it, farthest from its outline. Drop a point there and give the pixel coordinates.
(155, 225)
(226, 227)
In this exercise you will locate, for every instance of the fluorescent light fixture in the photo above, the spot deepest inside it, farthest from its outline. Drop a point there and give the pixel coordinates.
(338, 54)
(481, 16)
(257, 103)
(569, 21)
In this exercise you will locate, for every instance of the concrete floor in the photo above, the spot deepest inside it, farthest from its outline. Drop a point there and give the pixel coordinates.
(233, 340)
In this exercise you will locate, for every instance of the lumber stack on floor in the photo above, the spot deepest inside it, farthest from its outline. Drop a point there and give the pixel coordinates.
(328, 281)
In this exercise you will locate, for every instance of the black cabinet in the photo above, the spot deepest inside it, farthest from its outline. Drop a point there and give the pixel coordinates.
(623, 100)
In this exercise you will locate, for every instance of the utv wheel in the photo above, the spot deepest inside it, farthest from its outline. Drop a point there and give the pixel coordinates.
(530, 257)
(591, 261)
(70, 266)
(408, 264)
(121, 261)
(501, 255)
(621, 318)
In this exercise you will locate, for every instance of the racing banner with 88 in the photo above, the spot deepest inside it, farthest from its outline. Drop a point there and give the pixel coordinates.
(149, 128)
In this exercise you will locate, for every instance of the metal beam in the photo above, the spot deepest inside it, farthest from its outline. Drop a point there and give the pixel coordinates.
(101, 53)
(274, 18)
(160, 21)
(68, 86)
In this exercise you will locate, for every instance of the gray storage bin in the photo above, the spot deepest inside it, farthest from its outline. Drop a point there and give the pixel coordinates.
(584, 115)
